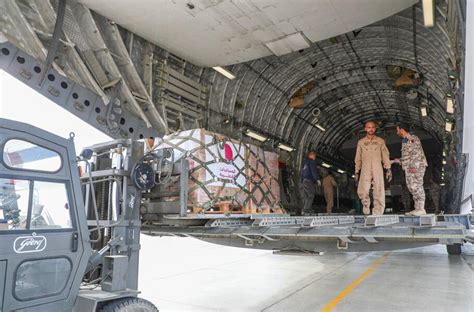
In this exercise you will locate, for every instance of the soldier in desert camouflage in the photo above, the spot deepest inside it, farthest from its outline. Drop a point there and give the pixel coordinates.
(414, 164)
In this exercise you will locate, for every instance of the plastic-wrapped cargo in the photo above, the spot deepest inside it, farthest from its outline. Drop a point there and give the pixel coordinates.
(226, 175)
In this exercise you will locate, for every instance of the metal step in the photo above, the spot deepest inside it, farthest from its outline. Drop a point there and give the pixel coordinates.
(372, 221)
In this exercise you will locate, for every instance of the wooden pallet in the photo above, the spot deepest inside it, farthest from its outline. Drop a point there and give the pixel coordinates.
(228, 208)
(224, 207)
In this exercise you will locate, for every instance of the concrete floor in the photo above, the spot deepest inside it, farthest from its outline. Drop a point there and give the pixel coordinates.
(184, 274)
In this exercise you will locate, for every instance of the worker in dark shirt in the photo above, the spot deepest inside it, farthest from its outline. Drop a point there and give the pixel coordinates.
(309, 179)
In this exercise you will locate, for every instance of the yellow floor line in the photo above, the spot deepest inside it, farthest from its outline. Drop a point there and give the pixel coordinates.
(334, 302)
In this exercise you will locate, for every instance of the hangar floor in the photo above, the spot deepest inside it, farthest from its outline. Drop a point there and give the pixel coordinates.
(185, 274)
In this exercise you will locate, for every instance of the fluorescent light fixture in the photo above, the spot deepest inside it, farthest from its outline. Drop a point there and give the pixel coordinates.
(424, 111)
(442, 184)
(320, 127)
(341, 171)
(449, 94)
(450, 105)
(353, 176)
(453, 75)
(444, 162)
(255, 135)
(449, 126)
(429, 12)
(326, 165)
(285, 147)
(444, 153)
(224, 72)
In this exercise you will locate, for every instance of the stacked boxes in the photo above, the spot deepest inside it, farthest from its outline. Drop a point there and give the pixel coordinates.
(226, 175)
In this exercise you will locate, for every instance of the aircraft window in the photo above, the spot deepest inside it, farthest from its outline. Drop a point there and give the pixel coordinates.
(50, 208)
(20, 154)
(14, 197)
(41, 278)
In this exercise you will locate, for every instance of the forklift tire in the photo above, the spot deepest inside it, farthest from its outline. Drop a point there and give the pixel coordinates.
(454, 249)
(130, 305)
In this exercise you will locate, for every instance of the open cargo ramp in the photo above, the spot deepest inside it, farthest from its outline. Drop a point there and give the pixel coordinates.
(320, 233)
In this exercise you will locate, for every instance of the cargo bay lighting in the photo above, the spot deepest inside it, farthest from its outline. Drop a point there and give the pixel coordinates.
(449, 126)
(320, 127)
(224, 72)
(450, 105)
(255, 135)
(285, 147)
(424, 110)
(341, 171)
(326, 165)
(428, 13)
(453, 75)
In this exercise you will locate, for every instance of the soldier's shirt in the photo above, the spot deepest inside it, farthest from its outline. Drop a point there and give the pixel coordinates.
(413, 155)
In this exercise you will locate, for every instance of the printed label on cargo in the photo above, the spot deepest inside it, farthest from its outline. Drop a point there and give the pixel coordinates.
(231, 169)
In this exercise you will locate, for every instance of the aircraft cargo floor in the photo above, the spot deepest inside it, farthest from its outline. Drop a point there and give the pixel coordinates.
(185, 274)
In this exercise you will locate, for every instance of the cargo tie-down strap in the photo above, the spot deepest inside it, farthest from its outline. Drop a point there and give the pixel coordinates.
(257, 175)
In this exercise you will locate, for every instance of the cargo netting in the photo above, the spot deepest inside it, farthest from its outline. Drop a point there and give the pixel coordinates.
(226, 175)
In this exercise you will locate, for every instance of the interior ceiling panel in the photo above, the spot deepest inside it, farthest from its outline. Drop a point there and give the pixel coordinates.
(352, 73)
(230, 32)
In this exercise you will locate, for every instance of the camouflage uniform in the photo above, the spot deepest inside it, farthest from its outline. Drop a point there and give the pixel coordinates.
(413, 157)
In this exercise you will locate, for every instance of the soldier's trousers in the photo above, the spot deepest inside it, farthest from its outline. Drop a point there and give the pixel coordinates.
(309, 191)
(366, 180)
(415, 186)
(329, 197)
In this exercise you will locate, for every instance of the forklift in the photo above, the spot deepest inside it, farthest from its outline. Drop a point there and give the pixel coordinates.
(56, 254)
